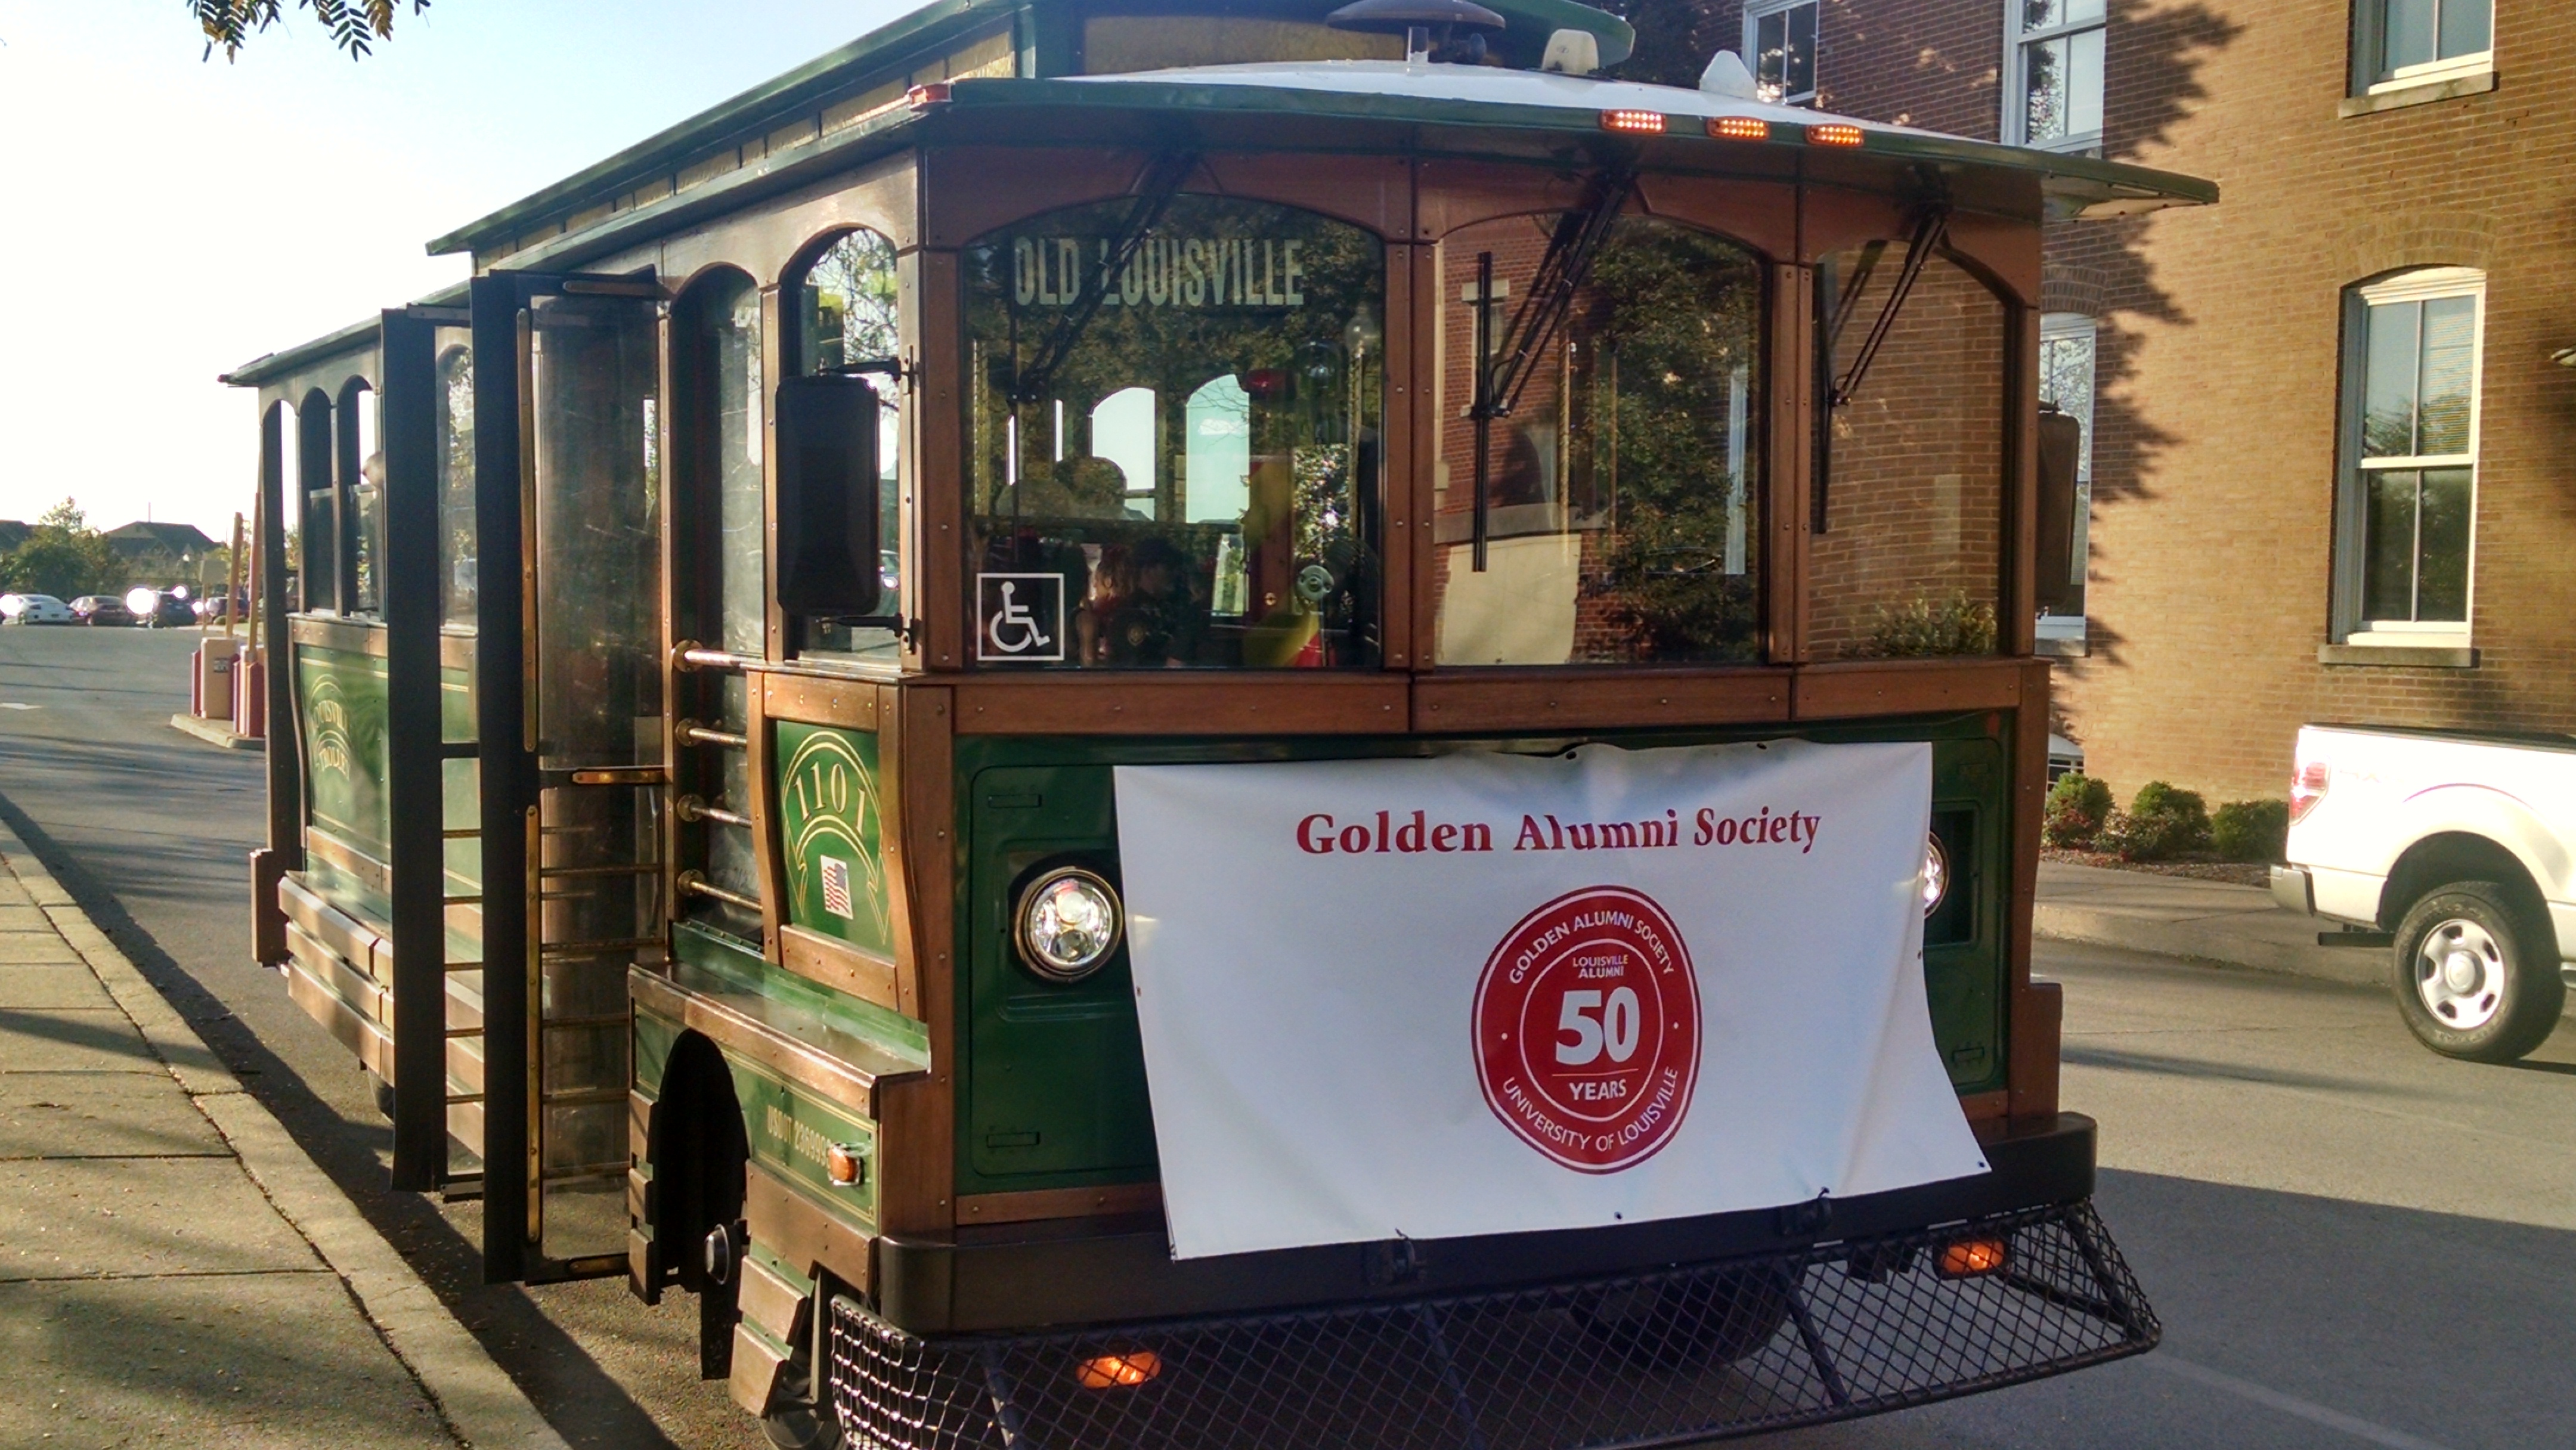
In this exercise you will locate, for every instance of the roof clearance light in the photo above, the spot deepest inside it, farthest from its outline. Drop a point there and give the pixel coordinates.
(1642, 123)
(933, 94)
(1833, 134)
(1739, 128)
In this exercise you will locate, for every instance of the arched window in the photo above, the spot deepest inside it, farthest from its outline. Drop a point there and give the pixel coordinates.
(844, 309)
(1174, 457)
(317, 522)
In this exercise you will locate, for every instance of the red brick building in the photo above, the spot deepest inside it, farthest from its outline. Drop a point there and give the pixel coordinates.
(2325, 418)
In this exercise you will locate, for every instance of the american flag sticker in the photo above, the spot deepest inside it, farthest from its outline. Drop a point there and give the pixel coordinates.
(836, 888)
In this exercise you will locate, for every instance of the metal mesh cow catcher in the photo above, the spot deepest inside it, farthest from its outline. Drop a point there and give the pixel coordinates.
(1725, 1348)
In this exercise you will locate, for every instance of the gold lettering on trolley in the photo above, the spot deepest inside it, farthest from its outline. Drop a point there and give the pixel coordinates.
(1160, 272)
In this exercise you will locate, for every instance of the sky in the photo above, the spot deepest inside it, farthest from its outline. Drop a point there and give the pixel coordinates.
(166, 217)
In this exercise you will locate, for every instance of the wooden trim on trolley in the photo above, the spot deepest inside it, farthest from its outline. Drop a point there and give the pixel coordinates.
(322, 843)
(917, 828)
(842, 967)
(2036, 1008)
(361, 942)
(1401, 577)
(1861, 688)
(1139, 702)
(830, 1075)
(800, 1233)
(1024, 1207)
(1413, 504)
(850, 704)
(1789, 447)
(935, 491)
(1591, 699)
(357, 636)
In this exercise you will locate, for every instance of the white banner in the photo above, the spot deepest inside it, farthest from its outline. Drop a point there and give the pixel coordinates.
(1491, 993)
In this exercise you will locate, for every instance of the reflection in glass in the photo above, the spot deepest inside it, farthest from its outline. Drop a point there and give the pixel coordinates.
(455, 425)
(1236, 529)
(1620, 512)
(1910, 561)
(2419, 378)
(1784, 53)
(847, 309)
(724, 318)
(2062, 87)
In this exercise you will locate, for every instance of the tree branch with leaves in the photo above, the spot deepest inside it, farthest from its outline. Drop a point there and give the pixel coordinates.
(355, 25)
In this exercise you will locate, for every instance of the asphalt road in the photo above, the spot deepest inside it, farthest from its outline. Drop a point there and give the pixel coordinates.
(2351, 1242)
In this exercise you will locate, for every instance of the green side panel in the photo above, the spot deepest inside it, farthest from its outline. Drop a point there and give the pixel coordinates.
(1053, 1077)
(341, 697)
(828, 829)
(654, 1037)
(789, 1129)
(711, 961)
(1055, 1088)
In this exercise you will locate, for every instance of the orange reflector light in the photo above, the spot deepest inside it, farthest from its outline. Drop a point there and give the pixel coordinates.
(1644, 123)
(1835, 134)
(1119, 1371)
(842, 1163)
(1739, 128)
(931, 94)
(1968, 1258)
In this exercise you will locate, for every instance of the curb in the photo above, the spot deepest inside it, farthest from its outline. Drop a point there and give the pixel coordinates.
(213, 732)
(481, 1403)
(2207, 939)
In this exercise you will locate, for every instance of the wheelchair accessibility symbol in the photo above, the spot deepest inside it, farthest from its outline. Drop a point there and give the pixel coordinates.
(1020, 617)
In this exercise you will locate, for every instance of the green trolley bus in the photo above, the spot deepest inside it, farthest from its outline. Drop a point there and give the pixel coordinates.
(788, 673)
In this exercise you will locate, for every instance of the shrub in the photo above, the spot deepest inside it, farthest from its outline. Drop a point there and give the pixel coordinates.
(2078, 805)
(2251, 830)
(2162, 822)
(1927, 628)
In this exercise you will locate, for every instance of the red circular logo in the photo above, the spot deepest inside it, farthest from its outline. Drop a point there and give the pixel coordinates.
(1587, 1029)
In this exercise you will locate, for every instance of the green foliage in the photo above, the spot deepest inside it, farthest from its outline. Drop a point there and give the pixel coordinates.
(354, 24)
(1675, 38)
(2251, 830)
(2078, 807)
(2162, 822)
(62, 556)
(1927, 628)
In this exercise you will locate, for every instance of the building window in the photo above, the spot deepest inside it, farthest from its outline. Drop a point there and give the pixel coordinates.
(1780, 36)
(2409, 487)
(2401, 43)
(2066, 374)
(2054, 98)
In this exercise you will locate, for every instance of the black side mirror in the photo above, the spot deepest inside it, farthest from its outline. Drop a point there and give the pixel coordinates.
(2061, 447)
(827, 496)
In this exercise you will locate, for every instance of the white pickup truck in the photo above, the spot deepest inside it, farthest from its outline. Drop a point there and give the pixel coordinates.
(2456, 850)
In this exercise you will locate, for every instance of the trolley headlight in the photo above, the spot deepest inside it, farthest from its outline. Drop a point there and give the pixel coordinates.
(1936, 875)
(1067, 923)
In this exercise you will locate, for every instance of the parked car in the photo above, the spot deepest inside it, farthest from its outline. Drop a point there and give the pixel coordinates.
(101, 609)
(156, 608)
(2456, 852)
(34, 609)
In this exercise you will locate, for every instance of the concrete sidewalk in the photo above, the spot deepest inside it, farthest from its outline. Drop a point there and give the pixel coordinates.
(172, 1266)
(2179, 917)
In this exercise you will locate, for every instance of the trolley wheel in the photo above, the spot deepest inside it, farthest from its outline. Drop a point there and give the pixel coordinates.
(794, 1421)
(2473, 974)
(1688, 1321)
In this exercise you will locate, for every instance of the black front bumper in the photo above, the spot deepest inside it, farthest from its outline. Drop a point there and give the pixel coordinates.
(1651, 1335)
(1761, 1342)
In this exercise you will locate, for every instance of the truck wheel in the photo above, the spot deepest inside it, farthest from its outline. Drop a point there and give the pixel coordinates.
(2474, 977)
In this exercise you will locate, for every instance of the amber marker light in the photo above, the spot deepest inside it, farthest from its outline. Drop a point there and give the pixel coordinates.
(843, 1164)
(1637, 123)
(1119, 1371)
(932, 94)
(1739, 128)
(1969, 1258)
(1833, 134)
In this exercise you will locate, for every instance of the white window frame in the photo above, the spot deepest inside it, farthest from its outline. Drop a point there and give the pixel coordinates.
(2016, 117)
(1760, 10)
(2069, 629)
(2422, 284)
(2370, 47)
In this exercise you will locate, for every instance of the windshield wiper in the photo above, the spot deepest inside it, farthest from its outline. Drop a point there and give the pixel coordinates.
(1931, 229)
(1162, 181)
(1541, 316)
